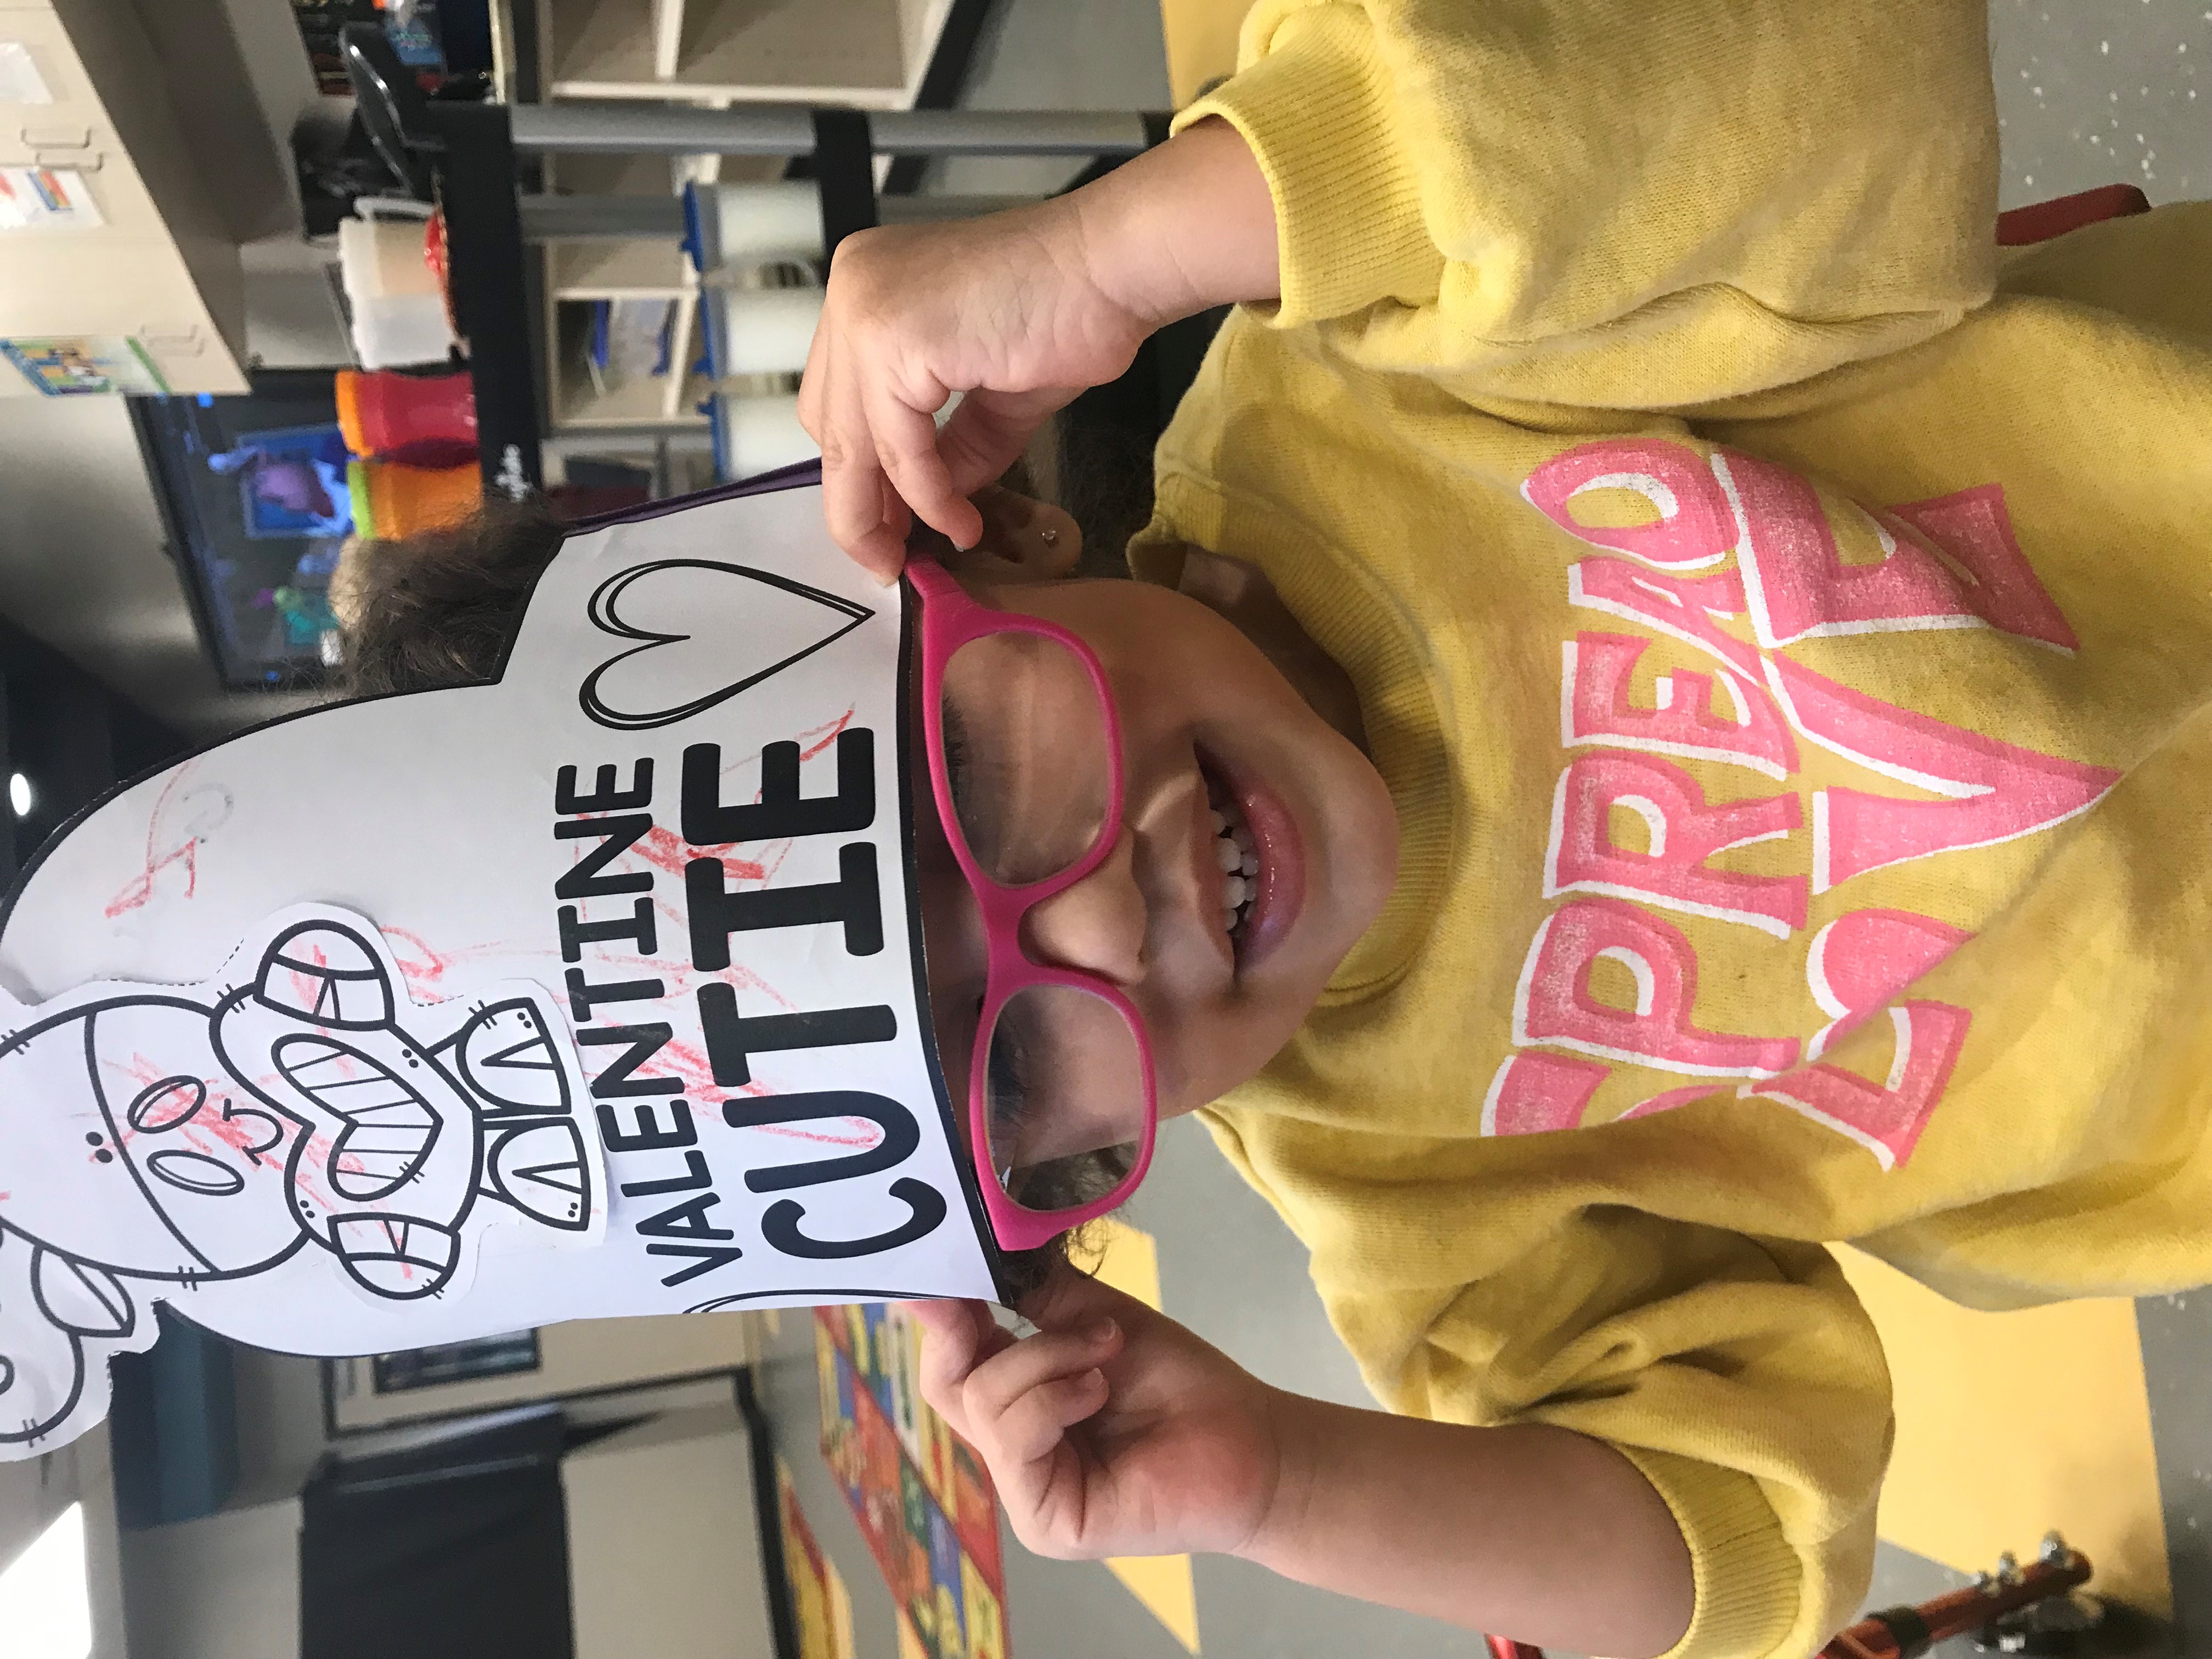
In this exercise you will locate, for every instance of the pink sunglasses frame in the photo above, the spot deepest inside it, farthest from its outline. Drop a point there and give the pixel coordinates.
(950, 619)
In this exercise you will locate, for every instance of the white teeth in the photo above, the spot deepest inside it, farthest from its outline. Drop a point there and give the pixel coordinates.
(1238, 855)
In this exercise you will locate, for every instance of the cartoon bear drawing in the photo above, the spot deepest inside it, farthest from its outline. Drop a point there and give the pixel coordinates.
(214, 1140)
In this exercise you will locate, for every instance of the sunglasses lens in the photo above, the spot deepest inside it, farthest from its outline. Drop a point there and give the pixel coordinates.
(1026, 754)
(1065, 1090)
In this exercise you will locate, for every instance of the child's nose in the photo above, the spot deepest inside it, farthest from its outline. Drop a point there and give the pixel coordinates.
(1098, 924)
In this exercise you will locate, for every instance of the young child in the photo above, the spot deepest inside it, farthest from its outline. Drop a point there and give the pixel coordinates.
(1718, 656)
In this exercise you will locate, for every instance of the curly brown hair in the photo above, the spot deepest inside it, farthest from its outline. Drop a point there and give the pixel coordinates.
(442, 609)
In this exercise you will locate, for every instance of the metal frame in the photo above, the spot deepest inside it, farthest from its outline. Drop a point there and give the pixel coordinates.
(639, 129)
(337, 1433)
(466, 155)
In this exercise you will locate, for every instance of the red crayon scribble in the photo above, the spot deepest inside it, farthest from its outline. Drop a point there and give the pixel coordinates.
(420, 965)
(425, 968)
(307, 991)
(660, 848)
(829, 735)
(140, 889)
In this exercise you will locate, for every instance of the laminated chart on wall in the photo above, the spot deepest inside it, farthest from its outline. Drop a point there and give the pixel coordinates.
(47, 199)
(95, 365)
(921, 1495)
(821, 1606)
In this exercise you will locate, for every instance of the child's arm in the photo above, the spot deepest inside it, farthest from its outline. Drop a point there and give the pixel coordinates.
(1621, 205)
(1628, 206)
(1115, 1431)
(1020, 311)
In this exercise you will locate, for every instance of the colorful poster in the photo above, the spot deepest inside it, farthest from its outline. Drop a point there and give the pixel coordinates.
(919, 1494)
(47, 199)
(821, 1607)
(85, 363)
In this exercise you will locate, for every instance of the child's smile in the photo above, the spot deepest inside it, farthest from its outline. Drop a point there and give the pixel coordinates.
(1255, 844)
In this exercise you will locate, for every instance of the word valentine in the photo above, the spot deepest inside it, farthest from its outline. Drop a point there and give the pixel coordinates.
(642, 1115)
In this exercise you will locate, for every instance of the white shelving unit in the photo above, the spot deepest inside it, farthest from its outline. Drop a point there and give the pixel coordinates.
(580, 273)
(869, 54)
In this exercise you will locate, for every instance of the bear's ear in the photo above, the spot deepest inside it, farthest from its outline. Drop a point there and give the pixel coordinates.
(541, 1170)
(506, 1057)
(81, 1298)
(324, 973)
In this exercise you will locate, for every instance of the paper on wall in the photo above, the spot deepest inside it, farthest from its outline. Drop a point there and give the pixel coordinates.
(20, 79)
(47, 199)
(85, 365)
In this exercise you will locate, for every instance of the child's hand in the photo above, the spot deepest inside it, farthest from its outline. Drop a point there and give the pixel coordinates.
(1004, 309)
(1113, 1431)
(1019, 311)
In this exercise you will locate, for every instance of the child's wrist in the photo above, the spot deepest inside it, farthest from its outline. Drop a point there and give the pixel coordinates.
(1179, 229)
(1300, 1479)
(1108, 247)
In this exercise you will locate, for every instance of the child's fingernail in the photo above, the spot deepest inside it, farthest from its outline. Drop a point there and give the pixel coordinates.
(1100, 1332)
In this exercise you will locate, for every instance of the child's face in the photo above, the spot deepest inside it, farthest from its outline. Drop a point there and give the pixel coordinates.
(1204, 716)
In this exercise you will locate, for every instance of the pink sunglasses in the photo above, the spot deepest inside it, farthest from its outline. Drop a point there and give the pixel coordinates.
(949, 620)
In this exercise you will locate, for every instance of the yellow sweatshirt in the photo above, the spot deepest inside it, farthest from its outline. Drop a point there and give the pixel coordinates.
(1786, 633)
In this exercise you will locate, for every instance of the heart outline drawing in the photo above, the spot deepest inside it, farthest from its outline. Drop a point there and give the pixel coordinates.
(603, 610)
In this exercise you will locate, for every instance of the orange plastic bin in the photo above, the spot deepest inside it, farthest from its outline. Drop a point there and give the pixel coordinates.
(391, 500)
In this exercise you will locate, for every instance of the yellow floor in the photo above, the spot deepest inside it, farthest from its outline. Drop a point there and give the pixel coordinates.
(1131, 1264)
(1202, 42)
(2010, 1424)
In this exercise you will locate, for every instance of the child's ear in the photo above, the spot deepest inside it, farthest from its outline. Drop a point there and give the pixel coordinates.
(1023, 541)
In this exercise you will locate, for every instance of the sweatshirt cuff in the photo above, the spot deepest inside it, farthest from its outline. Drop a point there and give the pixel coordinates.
(1313, 104)
(1749, 1581)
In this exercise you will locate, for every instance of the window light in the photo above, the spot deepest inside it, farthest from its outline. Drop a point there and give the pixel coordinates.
(45, 1606)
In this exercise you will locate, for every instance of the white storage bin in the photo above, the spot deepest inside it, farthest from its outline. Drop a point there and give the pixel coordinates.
(757, 435)
(745, 226)
(764, 331)
(398, 310)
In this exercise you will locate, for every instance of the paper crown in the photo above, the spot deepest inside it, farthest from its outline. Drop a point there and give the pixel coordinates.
(594, 990)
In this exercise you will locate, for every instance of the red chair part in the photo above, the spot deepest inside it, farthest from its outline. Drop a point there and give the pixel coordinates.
(2045, 220)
